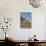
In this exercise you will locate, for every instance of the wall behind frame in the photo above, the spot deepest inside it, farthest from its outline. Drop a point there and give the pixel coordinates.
(12, 8)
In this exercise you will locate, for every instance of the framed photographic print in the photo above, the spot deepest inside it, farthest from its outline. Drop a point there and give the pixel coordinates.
(25, 20)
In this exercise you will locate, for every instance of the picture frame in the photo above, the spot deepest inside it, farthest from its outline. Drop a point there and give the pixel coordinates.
(25, 20)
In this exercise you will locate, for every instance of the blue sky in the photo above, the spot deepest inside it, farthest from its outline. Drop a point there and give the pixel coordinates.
(27, 15)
